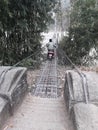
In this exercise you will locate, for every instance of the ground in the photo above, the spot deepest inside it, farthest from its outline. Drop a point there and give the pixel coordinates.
(37, 113)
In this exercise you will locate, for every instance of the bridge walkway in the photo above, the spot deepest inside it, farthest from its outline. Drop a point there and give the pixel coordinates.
(44, 108)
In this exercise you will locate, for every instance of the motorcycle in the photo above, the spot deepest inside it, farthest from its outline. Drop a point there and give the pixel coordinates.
(50, 54)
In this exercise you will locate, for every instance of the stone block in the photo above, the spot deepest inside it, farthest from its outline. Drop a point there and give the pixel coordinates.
(4, 111)
(13, 87)
(85, 116)
(74, 90)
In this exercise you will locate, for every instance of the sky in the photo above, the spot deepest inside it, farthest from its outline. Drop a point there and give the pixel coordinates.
(50, 34)
(65, 3)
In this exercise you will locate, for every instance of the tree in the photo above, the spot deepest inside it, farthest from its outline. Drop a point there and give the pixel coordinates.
(21, 24)
(83, 31)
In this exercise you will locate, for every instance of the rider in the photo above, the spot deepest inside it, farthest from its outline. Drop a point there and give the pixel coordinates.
(51, 46)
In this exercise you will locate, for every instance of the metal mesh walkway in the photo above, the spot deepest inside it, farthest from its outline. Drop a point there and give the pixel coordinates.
(46, 83)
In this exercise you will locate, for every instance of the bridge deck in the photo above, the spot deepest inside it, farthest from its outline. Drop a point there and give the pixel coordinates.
(44, 108)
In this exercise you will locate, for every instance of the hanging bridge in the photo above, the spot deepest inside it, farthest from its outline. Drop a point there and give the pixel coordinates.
(48, 105)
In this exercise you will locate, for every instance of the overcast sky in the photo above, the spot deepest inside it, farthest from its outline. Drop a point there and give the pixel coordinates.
(65, 3)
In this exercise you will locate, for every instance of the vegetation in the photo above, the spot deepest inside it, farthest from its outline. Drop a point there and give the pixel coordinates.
(83, 31)
(21, 24)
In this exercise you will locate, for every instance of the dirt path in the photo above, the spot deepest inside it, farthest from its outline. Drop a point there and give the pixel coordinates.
(40, 114)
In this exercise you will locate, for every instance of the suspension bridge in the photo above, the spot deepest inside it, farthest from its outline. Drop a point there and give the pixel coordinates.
(44, 108)
(48, 105)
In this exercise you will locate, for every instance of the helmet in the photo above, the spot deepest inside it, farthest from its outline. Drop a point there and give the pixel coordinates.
(50, 40)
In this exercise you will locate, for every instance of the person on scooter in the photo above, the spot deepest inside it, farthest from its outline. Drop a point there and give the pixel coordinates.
(50, 47)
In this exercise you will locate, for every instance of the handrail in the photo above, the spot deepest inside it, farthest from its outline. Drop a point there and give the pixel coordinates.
(82, 75)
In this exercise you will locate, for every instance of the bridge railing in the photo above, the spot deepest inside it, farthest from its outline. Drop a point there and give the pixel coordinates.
(65, 60)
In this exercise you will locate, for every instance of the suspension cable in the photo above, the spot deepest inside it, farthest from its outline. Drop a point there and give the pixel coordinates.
(82, 75)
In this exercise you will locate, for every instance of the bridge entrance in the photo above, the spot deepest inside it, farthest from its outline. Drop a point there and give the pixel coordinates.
(44, 108)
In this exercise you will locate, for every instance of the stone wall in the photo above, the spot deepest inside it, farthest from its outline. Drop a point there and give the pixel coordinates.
(13, 86)
(82, 112)
(74, 91)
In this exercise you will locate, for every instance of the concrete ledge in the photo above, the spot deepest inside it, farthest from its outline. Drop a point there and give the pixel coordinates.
(4, 111)
(85, 116)
(73, 90)
(13, 87)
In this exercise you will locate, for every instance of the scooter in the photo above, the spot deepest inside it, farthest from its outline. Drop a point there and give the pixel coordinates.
(50, 55)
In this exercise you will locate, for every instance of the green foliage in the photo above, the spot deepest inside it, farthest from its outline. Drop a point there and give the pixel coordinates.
(21, 24)
(83, 31)
(30, 63)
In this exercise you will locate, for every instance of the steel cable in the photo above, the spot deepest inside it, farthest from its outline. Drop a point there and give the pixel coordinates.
(82, 75)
